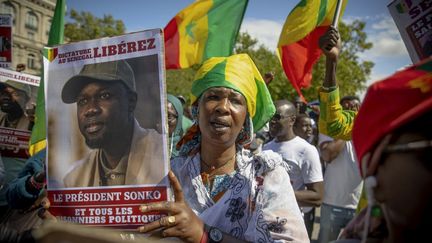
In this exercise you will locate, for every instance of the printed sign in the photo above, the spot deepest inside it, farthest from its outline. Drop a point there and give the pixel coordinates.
(18, 92)
(414, 21)
(107, 149)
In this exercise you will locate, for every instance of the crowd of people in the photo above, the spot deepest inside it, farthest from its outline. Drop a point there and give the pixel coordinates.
(245, 168)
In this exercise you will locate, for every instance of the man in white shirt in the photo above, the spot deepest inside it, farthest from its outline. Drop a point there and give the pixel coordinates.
(301, 157)
(342, 181)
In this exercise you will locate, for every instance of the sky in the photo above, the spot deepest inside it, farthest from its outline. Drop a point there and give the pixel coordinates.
(264, 19)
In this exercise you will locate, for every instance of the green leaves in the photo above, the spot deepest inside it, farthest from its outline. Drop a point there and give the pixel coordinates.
(85, 26)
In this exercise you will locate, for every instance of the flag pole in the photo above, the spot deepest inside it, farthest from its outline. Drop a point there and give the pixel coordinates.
(337, 14)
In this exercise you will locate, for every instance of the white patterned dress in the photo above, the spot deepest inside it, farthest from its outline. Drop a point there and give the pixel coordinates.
(259, 204)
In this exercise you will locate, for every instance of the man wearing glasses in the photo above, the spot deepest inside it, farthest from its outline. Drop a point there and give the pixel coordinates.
(301, 157)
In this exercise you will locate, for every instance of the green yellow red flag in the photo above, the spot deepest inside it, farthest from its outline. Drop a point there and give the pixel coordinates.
(204, 29)
(298, 48)
(56, 34)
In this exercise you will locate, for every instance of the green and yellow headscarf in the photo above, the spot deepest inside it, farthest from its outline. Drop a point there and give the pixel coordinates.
(237, 72)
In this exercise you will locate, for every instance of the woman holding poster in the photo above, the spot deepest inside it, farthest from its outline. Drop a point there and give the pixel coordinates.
(222, 191)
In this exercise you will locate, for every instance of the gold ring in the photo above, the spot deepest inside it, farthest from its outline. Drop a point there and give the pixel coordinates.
(167, 221)
(171, 220)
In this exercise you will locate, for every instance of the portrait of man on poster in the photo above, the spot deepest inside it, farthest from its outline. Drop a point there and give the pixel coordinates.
(13, 99)
(121, 151)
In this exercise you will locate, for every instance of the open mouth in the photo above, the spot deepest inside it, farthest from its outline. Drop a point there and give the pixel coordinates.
(93, 127)
(5, 101)
(220, 125)
(5, 104)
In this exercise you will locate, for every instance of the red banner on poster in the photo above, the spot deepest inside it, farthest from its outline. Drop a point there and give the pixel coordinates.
(113, 207)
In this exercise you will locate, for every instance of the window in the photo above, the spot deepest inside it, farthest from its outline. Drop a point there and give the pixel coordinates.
(31, 61)
(7, 8)
(31, 21)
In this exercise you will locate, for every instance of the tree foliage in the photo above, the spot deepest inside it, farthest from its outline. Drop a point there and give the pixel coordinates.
(85, 26)
(352, 73)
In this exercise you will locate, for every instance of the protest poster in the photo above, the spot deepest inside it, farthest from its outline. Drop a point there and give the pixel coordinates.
(18, 92)
(107, 147)
(413, 18)
(5, 40)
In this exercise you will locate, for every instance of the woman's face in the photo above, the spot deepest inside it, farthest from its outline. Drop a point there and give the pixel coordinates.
(222, 113)
(404, 185)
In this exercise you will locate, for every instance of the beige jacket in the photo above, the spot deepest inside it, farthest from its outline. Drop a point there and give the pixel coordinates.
(145, 162)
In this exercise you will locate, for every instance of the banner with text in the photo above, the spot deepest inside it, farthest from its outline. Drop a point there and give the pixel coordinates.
(107, 145)
(414, 21)
(18, 92)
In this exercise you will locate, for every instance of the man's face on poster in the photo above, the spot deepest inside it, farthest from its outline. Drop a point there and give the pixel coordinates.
(12, 100)
(102, 110)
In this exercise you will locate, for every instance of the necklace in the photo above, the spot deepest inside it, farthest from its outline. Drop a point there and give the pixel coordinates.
(213, 168)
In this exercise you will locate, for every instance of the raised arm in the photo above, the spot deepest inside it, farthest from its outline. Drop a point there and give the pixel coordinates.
(333, 121)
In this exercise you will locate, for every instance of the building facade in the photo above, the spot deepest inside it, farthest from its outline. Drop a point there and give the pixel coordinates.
(31, 25)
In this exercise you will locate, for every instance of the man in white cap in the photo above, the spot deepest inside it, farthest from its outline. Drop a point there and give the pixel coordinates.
(122, 153)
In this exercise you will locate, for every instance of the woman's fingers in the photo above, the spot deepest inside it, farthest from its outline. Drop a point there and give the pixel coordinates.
(168, 221)
(149, 227)
(173, 232)
(178, 191)
(45, 203)
(167, 207)
(46, 215)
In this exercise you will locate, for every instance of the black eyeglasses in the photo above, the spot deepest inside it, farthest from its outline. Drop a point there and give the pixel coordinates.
(278, 117)
(407, 147)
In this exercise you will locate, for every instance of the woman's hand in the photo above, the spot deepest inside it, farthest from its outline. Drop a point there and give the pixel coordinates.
(182, 222)
(44, 204)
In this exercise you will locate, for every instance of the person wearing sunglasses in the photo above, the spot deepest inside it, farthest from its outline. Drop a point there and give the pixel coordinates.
(301, 157)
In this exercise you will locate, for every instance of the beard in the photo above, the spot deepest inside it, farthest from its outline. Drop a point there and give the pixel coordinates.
(11, 107)
(101, 141)
(94, 143)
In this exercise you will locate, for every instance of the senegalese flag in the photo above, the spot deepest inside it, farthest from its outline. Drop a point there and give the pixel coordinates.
(404, 6)
(298, 48)
(56, 34)
(206, 28)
